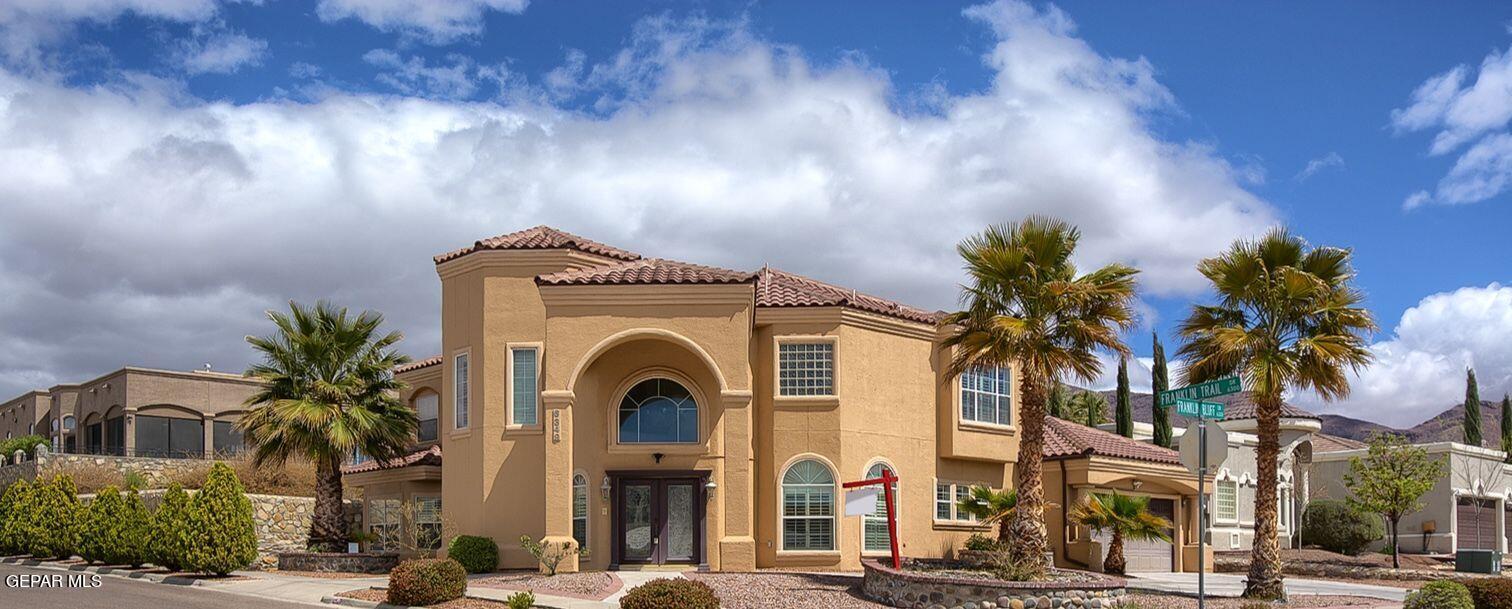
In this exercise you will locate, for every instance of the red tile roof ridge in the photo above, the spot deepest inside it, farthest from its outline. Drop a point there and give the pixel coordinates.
(807, 291)
(1069, 439)
(416, 365)
(647, 271)
(430, 455)
(540, 237)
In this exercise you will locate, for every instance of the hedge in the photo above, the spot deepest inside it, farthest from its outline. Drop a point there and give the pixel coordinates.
(1442, 594)
(27, 443)
(222, 536)
(1490, 592)
(1337, 527)
(12, 505)
(670, 594)
(50, 519)
(99, 523)
(426, 581)
(476, 554)
(169, 529)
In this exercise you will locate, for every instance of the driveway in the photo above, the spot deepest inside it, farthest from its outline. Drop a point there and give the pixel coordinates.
(1231, 585)
(114, 593)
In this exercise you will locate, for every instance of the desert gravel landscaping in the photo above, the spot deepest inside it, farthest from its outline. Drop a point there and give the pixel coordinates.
(381, 596)
(782, 590)
(589, 585)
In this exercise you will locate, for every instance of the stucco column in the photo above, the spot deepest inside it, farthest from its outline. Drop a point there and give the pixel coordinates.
(128, 426)
(207, 421)
(557, 408)
(1501, 523)
(737, 494)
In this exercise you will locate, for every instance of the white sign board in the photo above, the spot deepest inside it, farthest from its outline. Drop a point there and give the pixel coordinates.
(1217, 448)
(862, 501)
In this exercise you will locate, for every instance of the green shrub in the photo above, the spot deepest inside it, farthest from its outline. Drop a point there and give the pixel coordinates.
(170, 526)
(521, 600)
(222, 536)
(1336, 527)
(476, 554)
(136, 530)
(98, 526)
(1442, 594)
(51, 527)
(1490, 592)
(28, 443)
(13, 506)
(670, 594)
(981, 543)
(426, 581)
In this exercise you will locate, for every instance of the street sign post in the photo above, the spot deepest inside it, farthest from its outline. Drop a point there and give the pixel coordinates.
(1188, 403)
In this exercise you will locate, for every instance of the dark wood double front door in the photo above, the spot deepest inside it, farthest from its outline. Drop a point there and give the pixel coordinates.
(658, 520)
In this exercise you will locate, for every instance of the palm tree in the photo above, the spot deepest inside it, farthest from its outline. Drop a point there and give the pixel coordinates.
(328, 389)
(1288, 317)
(992, 507)
(1126, 517)
(1026, 305)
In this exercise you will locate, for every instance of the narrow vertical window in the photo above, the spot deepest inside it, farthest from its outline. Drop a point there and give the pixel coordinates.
(808, 507)
(428, 523)
(523, 385)
(426, 407)
(461, 395)
(580, 510)
(874, 536)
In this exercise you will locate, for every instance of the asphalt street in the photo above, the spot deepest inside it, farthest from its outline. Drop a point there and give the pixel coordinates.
(21, 587)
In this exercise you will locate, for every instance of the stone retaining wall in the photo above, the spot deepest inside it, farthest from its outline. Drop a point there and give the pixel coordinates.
(325, 562)
(921, 590)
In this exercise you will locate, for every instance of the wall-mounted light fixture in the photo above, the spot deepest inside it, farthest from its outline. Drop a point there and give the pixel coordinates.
(709, 488)
(605, 488)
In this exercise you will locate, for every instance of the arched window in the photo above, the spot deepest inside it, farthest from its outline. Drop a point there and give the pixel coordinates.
(580, 510)
(658, 411)
(808, 507)
(874, 527)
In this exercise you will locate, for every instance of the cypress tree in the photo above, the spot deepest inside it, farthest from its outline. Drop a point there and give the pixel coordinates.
(222, 536)
(1124, 418)
(1058, 398)
(1160, 383)
(1472, 409)
(170, 525)
(1506, 426)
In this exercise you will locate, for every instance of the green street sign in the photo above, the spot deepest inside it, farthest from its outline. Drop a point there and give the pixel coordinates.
(1194, 409)
(1214, 388)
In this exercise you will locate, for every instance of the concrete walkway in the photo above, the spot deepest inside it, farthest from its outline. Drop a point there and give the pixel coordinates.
(1231, 585)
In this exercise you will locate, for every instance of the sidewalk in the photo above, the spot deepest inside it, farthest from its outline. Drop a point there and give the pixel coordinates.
(1230, 585)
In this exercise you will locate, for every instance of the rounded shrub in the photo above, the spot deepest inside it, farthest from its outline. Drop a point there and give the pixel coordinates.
(1442, 594)
(222, 536)
(136, 530)
(52, 517)
(476, 554)
(1337, 527)
(12, 516)
(670, 594)
(426, 581)
(99, 530)
(1490, 592)
(169, 529)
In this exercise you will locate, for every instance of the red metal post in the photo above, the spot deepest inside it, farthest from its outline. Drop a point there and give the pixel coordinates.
(887, 480)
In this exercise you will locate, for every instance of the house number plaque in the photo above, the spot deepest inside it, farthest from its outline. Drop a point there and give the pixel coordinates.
(556, 427)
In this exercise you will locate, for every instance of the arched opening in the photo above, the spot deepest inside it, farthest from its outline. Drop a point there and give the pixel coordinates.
(808, 507)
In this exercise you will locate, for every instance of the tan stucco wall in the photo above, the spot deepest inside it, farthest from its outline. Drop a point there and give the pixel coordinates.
(23, 414)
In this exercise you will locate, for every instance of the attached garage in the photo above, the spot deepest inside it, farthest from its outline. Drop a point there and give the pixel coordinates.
(1148, 556)
(1475, 525)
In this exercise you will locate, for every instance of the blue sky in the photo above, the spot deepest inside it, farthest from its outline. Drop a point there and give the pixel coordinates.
(178, 167)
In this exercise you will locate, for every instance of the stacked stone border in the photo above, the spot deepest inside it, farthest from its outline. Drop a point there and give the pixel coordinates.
(922, 590)
(333, 562)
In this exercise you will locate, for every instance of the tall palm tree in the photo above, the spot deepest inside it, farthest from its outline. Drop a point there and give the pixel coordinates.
(1126, 517)
(992, 507)
(1287, 317)
(1026, 305)
(328, 389)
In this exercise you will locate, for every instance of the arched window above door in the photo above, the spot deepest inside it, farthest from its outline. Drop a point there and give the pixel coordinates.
(658, 411)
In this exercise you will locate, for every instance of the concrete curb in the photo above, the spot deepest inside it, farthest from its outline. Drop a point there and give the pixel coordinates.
(362, 604)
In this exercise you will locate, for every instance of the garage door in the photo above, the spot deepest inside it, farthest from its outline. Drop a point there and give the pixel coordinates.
(1148, 556)
(1475, 526)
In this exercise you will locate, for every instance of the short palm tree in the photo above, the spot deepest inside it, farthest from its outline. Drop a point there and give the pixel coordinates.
(1124, 517)
(1026, 305)
(328, 390)
(1287, 318)
(991, 507)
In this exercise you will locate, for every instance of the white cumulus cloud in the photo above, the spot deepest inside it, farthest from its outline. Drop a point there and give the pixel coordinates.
(1420, 370)
(1331, 160)
(141, 227)
(434, 20)
(1465, 112)
(220, 53)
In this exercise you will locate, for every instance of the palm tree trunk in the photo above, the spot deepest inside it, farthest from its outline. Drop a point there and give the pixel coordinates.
(1265, 556)
(1030, 539)
(328, 524)
(1115, 562)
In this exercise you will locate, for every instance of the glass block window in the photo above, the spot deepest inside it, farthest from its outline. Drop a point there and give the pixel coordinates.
(426, 408)
(658, 411)
(428, 523)
(580, 510)
(1226, 500)
(523, 384)
(385, 522)
(808, 507)
(874, 527)
(806, 368)
(460, 397)
(986, 395)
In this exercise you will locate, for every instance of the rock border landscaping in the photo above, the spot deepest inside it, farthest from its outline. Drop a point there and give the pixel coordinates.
(378, 563)
(921, 590)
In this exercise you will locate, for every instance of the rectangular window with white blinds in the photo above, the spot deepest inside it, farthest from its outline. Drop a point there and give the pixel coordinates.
(523, 384)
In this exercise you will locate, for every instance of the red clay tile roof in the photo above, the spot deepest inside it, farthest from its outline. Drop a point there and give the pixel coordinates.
(1243, 406)
(412, 366)
(1067, 440)
(646, 272)
(426, 456)
(776, 288)
(1324, 443)
(541, 238)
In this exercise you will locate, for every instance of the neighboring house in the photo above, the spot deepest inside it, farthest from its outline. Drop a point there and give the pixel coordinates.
(1081, 461)
(408, 489)
(1232, 495)
(1465, 510)
(666, 413)
(140, 412)
(24, 415)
